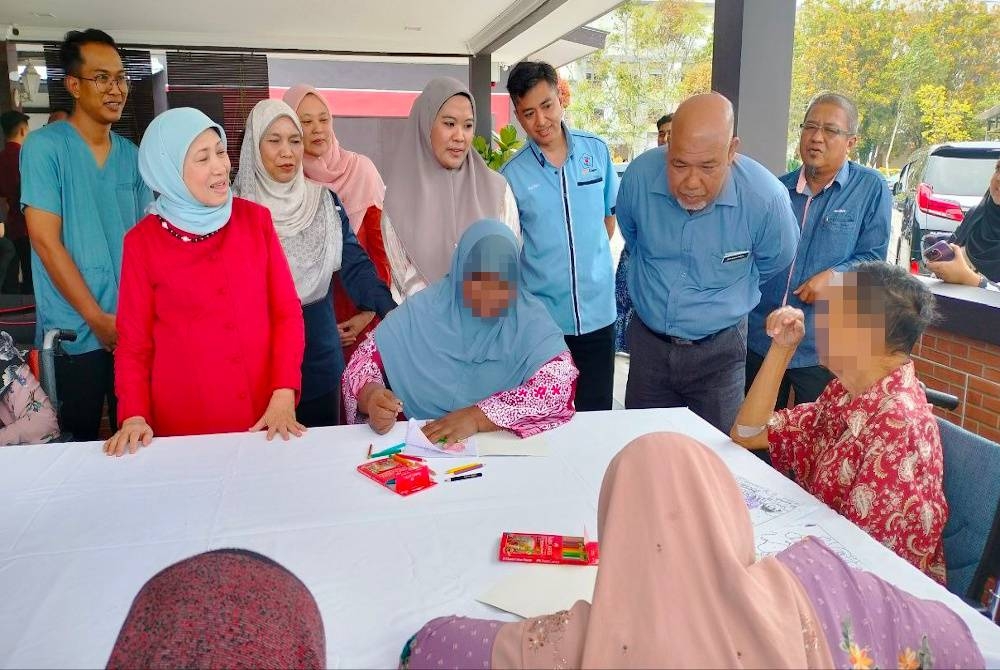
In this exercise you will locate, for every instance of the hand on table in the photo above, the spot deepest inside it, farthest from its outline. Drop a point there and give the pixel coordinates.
(134, 433)
(382, 407)
(458, 425)
(786, 326)
(350, 329)
(279, 417)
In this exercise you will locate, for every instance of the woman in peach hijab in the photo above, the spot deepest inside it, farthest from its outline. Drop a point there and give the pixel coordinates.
(358, 184)
(679, 586)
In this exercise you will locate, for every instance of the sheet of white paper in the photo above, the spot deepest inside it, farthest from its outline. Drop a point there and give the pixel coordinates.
(774, 539)
(417, 444)
(764, 504)
(504, 443)
(536, 590)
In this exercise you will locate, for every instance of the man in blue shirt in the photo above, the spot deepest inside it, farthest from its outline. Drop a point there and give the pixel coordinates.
(81, 191)
(843, 210)
(705, 227)
(565, 185)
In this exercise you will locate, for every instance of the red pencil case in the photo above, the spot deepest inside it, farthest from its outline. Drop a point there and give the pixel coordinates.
(554, 549)
(397, 477)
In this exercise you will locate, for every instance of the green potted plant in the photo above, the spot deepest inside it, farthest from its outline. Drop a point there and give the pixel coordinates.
(507, 143)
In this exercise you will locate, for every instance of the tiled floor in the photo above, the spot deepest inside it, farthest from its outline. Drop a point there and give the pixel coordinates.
(621, 376)
(621, 360)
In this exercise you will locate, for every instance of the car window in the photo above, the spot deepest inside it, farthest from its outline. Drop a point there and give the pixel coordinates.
(904, 177)
(959, 175)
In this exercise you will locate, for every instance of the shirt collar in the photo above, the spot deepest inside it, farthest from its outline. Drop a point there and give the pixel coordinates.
(901, 381)
(802, 187)
(540, 155)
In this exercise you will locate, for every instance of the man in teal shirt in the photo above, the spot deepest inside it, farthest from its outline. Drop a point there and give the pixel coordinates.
(81, 191)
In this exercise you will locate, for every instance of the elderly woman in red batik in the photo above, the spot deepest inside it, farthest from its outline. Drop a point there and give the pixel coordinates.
(869, 446)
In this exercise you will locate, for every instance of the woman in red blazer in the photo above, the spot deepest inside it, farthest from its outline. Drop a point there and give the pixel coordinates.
(210, 331)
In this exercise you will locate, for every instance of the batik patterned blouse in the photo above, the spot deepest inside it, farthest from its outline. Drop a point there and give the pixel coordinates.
(541, 403)
(875, 458)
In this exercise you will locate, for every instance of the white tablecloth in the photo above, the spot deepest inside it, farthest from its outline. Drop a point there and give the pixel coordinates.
(81, 532)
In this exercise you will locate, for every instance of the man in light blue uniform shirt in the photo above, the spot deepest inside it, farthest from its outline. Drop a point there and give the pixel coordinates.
(844, 211)
(81, 191)
(705, 227)
(565, 185)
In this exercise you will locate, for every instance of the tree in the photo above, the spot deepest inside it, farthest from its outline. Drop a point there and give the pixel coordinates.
(943, 117)
(882, 52)
(638, 76)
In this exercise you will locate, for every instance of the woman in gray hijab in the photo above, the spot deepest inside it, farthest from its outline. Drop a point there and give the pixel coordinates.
(316, 236)
(437, 186)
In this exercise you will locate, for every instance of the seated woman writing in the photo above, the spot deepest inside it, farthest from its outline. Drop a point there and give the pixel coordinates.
(474, 351)
(679, 586)
(869, 446)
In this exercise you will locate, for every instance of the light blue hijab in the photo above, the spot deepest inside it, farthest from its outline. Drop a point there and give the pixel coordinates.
(439, 357)
(161, 164)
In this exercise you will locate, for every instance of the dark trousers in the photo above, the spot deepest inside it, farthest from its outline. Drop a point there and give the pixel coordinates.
(808, 382)
(23, 246)
(83, 383)
(706, 376)
(8, 267)
(594, 356)
(321, 411)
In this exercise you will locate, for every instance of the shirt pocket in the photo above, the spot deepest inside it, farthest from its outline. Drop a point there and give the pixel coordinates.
(722, 269)
(839, 222)
(588, 196)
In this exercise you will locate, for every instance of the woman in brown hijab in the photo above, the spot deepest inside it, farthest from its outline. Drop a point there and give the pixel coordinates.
(437, 186)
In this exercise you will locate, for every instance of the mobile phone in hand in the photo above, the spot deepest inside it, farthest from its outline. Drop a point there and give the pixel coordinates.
(939, 251)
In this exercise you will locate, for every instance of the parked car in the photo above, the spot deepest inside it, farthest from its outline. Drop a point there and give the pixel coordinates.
(936, 187)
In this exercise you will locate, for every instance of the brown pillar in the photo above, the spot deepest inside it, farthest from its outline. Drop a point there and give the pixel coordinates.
(8, 64)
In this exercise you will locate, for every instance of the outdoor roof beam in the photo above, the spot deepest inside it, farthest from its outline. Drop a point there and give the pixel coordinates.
(534, 17)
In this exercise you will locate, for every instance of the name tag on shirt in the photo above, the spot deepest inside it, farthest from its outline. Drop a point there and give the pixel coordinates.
(735, 256)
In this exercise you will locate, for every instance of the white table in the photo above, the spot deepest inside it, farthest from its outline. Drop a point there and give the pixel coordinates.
(80, 532)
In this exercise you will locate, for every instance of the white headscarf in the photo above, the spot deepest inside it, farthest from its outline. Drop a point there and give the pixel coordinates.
(308, 223)
(293, 204)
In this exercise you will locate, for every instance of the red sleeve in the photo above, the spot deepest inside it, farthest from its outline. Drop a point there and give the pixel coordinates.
(792, 441)
(370, 238)
(287, 327)
(134, 320)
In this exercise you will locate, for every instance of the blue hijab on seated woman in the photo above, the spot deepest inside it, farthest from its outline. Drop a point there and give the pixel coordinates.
(440, 357)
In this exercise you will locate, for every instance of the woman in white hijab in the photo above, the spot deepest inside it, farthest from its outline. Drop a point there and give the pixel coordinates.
(437, 187)
(316, 235)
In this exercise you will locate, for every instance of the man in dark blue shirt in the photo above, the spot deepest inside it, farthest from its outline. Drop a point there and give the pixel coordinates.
(843, 210)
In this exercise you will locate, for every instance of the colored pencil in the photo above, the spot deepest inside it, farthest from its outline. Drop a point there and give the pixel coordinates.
(403, 460)
(390, 451)
(370, 445)
(472, 476)
(468, 467)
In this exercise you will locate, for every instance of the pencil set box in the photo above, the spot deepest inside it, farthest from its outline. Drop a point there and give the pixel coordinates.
(400, 478)
(553, 549)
